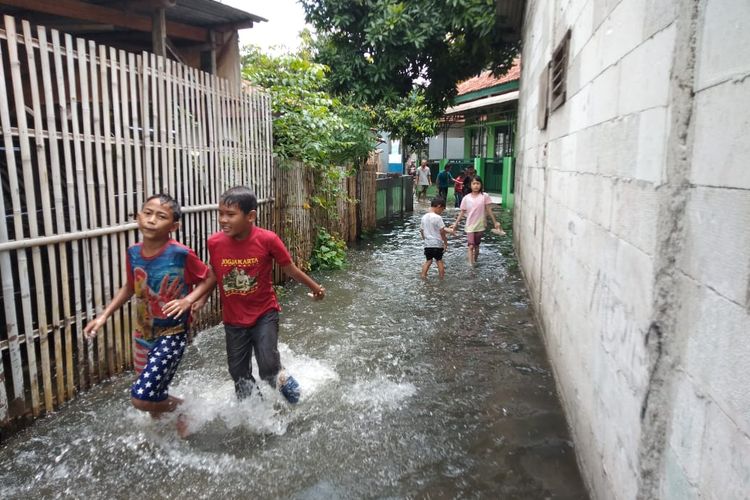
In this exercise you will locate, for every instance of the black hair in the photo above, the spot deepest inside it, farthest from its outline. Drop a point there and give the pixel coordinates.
(167, 200)
(438, 201)
(241, 196)
(479, 180)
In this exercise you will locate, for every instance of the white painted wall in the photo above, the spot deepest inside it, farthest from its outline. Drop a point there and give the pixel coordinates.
(454, 137)
(632, 226)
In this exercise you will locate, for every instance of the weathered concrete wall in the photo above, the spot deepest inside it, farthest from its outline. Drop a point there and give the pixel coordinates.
(633, 230)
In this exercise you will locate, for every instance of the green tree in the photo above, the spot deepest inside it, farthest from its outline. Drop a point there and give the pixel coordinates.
(378, 49)
(308, 123)
(409, 119)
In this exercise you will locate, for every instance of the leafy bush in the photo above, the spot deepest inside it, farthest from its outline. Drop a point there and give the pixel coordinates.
(329, 252)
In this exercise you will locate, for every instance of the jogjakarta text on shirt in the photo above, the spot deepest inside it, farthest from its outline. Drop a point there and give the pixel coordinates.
(239, 262)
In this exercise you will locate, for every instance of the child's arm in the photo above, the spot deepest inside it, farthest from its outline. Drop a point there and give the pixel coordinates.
(177, 307)
(421, 232)
(491, 214)
(122, 296)
(294, 272)
(458, 219)
(444, 235)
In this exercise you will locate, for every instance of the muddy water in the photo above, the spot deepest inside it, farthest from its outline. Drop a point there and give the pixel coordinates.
(412, 389)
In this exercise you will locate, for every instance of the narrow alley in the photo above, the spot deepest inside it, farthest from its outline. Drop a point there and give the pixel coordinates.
(412, 389)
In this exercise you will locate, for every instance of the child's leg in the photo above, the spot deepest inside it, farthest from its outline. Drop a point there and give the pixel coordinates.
(140, 352)
(265, 337)
(477, 242)
(266, 342)
(426, 267)
(239, 352)
(150, 390)
(441, 268)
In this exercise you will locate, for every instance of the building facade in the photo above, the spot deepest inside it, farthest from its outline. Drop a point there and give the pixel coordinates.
(479, 129)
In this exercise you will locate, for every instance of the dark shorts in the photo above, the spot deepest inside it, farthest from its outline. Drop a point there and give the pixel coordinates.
(162, 361)
(260, 339)
(433, 253)
(474, 239)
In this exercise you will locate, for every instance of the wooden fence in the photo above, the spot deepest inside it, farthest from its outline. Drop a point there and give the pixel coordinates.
(298, 222)
(87, 132)
(394, 195)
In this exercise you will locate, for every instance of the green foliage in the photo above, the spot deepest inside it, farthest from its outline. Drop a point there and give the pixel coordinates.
(329, 252)
(326, 132)
(377, 49)
(410, 119)
(308, 123)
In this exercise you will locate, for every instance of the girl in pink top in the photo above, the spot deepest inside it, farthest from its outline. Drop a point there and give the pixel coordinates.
(477, 206)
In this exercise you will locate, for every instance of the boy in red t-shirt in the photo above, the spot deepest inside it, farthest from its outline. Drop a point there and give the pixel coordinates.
(242, 256)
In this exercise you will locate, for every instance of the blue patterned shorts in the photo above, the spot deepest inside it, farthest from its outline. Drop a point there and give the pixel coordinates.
(153, 382)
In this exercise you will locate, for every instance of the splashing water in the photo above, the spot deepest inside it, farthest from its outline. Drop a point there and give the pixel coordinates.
(410, 388)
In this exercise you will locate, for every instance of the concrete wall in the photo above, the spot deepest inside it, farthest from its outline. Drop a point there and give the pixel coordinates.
(632, 227)
(454, 149)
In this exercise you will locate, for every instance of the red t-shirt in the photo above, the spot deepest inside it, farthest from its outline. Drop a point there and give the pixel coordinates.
(243, 273)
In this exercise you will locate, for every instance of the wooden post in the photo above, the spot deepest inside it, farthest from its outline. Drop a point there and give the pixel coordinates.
(159, 33)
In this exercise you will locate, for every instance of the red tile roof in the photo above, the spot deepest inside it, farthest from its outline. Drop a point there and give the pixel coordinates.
(486, 80)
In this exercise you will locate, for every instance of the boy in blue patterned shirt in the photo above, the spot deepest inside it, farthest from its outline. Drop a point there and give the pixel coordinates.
(167, 278)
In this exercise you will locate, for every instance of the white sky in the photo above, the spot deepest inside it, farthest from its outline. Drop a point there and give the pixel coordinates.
(286, 19)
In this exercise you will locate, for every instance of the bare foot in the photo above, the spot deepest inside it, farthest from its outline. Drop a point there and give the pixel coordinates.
(182, 426)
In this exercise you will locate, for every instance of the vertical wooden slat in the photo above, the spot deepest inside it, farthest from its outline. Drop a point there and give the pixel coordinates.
(9, 300)
(200, 105)
(182, 153)
(160, 111)
(127, 97)
(210, 104)
(137, 96)
(242, 136)
(87, 68)
(100, 115)
(267, 140)
(188, 151)
(175, 152)
(23, 135)
(225, 179)
(235, 110)
(146, 91)
(84, 180)
(116, 206)
(168, 145)
(42, 178)
(57, 195)
(107, 198)
(156, 138)
(257, 150)
(63, 111)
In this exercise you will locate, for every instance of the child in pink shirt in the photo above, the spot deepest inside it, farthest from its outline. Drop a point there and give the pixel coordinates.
(477, 206)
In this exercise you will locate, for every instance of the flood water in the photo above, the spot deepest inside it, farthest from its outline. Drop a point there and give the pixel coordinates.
(411, 389)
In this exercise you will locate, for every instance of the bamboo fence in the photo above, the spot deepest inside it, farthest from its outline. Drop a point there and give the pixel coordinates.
(87, 133)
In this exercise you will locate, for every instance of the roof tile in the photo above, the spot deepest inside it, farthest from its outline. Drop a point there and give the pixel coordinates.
(486, 80)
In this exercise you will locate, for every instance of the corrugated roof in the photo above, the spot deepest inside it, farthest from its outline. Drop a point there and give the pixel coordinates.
(485, 80)
(205, 13)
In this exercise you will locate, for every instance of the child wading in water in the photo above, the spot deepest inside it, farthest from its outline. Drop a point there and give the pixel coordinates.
(433, 233)
(160, 273)
(242, 256)
(477, 205)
